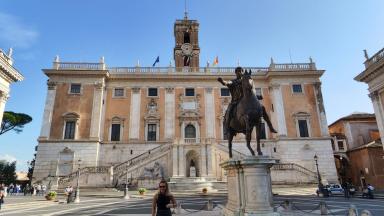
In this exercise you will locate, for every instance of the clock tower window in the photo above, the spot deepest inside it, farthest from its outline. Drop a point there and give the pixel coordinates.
(187, 38)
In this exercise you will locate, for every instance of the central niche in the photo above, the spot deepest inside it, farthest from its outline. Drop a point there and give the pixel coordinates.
(192, 164)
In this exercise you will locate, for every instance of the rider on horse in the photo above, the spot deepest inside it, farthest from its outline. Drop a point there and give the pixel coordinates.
(236, 91)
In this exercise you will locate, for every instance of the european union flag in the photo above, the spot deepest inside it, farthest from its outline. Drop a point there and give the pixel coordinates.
(156, 61)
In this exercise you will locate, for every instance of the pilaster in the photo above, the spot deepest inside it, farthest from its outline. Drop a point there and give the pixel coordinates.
(48, 110)
(279, 109)
(3, 99)
(321, 110)
(169, 113)
(379, 112)
(96, 111)
(209, 113)
(134, 123)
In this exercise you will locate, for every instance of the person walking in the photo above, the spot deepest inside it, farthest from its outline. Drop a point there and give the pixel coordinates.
(1, 198)
(163, 200)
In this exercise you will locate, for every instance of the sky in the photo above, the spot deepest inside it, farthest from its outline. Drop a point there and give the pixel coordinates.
(333, 33)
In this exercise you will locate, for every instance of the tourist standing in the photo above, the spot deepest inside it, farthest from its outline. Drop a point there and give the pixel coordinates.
(163, 201)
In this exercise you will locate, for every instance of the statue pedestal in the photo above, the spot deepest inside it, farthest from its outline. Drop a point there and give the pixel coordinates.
(192, 172)
(249, 186)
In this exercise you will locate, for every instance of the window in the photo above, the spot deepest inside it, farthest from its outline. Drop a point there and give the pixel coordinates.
(187, 38)
(340, 144)
(190, 131)
(189, 92)
(303, 128)
(263, 135)
(115, 132)
(151, 134)
(258, 92)
(70, 128)
(296, 88)
(152, 92)
(119, 92)
(75, 88)
(225, 92)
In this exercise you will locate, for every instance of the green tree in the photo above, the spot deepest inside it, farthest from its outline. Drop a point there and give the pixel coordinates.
(14, 121)
(7, 172)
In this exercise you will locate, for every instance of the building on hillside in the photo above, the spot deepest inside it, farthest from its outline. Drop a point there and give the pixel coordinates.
(152, 122)
(358, 150)
(8, 75)
(373, 75)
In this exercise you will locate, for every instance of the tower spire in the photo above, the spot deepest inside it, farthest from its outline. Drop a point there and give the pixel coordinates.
(185, 10)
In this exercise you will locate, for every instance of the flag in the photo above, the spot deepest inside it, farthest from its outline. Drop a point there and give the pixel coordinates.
(156, 61)
(216, 61)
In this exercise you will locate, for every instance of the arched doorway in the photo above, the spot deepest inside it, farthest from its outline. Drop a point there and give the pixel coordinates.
(192, 160)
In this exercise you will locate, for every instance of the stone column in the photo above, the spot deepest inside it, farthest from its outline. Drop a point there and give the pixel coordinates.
(321, 110)
(48, 110)
(203, 159)
(3, 100)
(249, 186)
(96, 111)
(210, 159)
(379, 112)
(278, 104)
(209, 113)
(181, 160)
(169, 114)
(175, 161)
(134, 123)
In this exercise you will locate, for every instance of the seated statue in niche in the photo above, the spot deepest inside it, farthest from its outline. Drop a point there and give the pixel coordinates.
(192, 169)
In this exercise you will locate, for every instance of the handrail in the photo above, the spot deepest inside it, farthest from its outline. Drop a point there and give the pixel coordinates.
(84, 170)
(240, 154)
(138, 157)
(294, 166)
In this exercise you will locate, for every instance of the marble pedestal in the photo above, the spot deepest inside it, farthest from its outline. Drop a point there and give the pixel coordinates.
(249, 186)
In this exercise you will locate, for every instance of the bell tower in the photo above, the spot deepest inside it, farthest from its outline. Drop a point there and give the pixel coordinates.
(187, 51)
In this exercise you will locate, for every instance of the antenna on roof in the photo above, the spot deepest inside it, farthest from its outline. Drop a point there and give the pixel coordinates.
(290, 56)
(185, 10)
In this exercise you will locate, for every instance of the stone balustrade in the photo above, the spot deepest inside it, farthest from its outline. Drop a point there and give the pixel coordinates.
(375, 58)
(78, 66)
(182, 70)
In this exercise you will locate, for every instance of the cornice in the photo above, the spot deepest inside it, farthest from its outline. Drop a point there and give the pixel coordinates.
(10, 73)
(79, 73)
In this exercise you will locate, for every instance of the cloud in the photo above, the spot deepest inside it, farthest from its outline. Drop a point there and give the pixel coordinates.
(8, 158)
(15, 33)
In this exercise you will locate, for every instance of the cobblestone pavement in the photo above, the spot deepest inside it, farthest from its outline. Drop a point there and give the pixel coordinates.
(110, 203)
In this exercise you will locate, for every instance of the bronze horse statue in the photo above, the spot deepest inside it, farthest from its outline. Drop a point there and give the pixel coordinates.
(247, 115)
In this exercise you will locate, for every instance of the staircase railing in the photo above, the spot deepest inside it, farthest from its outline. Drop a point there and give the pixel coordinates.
(277, 166)
(235, 152)
(85, 170)
(293, 166)
(139, 158)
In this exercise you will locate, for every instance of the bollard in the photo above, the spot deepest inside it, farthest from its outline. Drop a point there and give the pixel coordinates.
(352, 211)
(366, 213)
(287, 205)
(209, 205)
(178, 208)
(323, 208)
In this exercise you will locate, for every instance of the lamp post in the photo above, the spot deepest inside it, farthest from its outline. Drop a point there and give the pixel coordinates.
(77, 199)
(319, 184)
(126, 195)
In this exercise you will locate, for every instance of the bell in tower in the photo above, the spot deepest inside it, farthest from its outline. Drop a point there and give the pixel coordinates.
(187, 51)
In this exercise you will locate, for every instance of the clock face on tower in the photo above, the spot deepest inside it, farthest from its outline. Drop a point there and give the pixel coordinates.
(186, 49)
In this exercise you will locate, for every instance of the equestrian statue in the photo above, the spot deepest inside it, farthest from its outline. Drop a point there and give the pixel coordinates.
(244, 111)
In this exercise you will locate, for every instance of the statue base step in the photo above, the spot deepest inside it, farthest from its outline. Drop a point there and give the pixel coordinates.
(249, 186)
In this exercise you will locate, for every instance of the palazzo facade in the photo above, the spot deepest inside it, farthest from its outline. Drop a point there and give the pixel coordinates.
(8, 75)
(167, 122)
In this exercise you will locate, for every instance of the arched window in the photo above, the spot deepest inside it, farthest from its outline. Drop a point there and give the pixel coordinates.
(70, 125)
(187, 38)
(190, 131)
